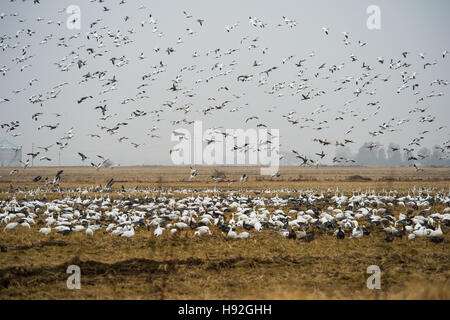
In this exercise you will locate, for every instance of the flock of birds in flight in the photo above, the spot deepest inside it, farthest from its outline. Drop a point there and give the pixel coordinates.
(99, 42)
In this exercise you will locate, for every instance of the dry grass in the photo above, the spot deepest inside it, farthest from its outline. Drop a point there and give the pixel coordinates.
(181, 267)
(33, 266)
(291, 177)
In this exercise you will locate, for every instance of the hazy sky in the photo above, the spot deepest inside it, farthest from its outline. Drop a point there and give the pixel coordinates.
(413, 26)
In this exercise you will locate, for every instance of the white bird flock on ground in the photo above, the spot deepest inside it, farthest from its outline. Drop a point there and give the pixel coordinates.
(301, 214)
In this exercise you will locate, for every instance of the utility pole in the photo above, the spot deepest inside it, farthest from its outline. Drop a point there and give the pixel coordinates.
(32, 151)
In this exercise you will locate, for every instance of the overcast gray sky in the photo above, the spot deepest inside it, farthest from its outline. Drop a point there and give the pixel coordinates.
(413, 26)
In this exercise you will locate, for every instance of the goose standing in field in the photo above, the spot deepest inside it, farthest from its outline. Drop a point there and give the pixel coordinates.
(129, 233)
(45, 231)
(24, 223)
(357, 233)
(201, 231)
(436, 236)
(437, 233)
(292, 234)
(89, 231)
(10, 226)
(340, 234)
(422, 232)
(231, 233)
(243, 235)
(158, 231)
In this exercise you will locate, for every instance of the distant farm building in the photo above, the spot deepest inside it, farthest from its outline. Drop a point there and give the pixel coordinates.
(10, 154)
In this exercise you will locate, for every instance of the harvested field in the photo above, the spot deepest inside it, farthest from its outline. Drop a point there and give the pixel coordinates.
(266, 265)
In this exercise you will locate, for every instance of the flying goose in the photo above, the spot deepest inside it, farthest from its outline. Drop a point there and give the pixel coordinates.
(193, 174)
(83, 157)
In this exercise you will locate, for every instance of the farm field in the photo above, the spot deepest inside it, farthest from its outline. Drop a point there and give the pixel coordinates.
(290, 177)
(265, 265)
